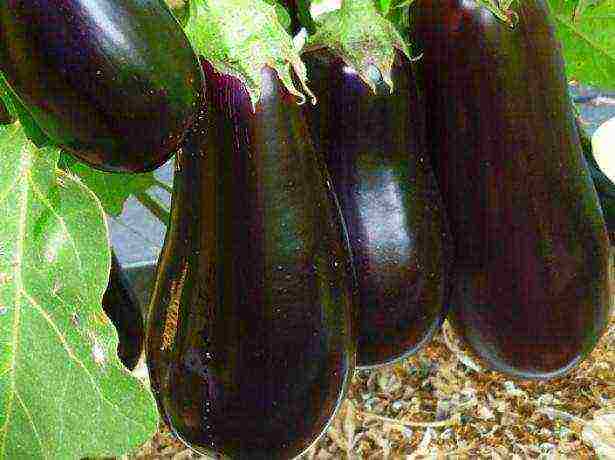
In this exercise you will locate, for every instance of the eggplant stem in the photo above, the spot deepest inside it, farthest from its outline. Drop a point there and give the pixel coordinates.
(163, 185)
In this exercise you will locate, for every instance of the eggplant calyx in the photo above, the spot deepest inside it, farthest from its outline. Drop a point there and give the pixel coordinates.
(240, 37)
(501, 9)
(359, 35)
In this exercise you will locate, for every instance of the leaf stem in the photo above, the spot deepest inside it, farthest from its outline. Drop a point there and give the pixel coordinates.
(163, 185)
(154, 206)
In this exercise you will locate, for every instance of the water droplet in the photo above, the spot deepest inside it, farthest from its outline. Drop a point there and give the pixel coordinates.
(3, 310)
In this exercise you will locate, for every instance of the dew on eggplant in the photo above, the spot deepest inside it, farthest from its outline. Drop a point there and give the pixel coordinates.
(373, 145)
(275, 308)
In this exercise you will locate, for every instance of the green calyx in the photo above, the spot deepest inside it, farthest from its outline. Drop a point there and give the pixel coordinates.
(501, 9)
(362, 37)
(240, 37)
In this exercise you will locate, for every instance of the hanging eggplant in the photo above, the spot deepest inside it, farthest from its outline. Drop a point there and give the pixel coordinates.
(373, 143)
(114, 82)
(121, 307)
(250, 346)
(531, 278)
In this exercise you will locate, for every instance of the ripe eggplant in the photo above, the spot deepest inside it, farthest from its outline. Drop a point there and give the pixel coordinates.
(250, 344)
(115, 82)
(531, 278)
(125, 314)
(373, 144)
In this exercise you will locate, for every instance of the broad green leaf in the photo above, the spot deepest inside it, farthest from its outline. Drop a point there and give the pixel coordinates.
(240, 37)
(63, 391)
(588, 40)
(112, 189)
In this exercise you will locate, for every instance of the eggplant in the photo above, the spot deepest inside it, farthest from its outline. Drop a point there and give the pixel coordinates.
(250, 343)
(114, 82)
(531, 278)
(123, 310)
(373, 143)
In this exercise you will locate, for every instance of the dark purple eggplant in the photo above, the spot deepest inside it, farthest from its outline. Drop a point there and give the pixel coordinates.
(250, 346)
(531, 278)
(121, 307)
(114, 82)
(373, 144)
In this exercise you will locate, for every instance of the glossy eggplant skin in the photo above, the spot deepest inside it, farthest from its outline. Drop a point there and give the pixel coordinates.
(373, 145)
(250, 344)
(531, 287)
(114, 82)
(125, 314)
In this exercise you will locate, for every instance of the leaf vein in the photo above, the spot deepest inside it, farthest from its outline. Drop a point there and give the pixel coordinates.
(584, 37)
(17, 306)
(31, 420)
(72, 355)
(60, 219)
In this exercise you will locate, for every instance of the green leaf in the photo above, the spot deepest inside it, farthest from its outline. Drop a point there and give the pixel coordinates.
(63, 391)
(282, 13)
(240, 37)
(112, 189)
(385, 6)
(588, 40)
(320, 7)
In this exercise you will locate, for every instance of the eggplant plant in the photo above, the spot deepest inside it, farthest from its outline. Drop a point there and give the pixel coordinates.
(64, 393)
